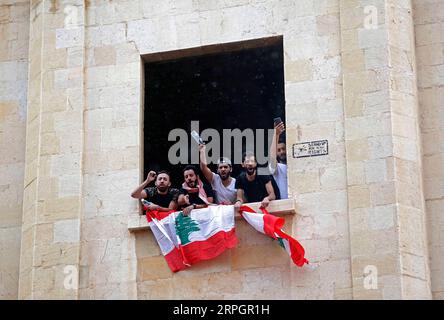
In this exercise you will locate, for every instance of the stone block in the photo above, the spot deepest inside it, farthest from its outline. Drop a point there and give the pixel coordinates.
(158, 289)
(367, 126)
(104, 56)
(333, 178)
(247, 257)
(317, 250)
(353, 61)
(327, 24)
(391, 287)
(304, 182)
(67, 231)
(382, 217)
(325, 226)
(358, 197)
(309, 91)
(153, 268)
(299, 70)
(336, 272)
(226, 283)
(196, 286)
(357, 150)
(376, 57)
(376, 171)
(55, 254)
(383, 193)
(263, 281)
(380, 147)
(331, 110)
(57, 209)
(71, 37)
(413, 288)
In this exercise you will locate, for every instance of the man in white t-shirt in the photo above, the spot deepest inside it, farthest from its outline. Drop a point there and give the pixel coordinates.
(223, 183)
(278, 152)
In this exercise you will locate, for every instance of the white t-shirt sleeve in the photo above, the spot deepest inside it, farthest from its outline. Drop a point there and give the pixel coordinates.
(214, 180)
(271, 169)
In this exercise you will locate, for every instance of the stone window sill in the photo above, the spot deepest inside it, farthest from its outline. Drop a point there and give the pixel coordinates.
(277, 207)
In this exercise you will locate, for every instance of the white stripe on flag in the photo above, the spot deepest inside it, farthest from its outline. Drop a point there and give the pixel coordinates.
(256, 220)
(165, 233)
(212, 220)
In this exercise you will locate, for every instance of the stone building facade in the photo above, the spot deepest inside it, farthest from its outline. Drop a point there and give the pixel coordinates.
(366, 75)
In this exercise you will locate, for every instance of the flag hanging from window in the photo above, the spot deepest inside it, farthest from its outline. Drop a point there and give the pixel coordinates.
(202, 235)
(271, 225)
(206, 233)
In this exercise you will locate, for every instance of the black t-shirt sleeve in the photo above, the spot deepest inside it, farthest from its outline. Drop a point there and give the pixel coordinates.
(239, 183)
(182, 191)
(149, 193)
(208, 190)
(174, 193)
(265, 179)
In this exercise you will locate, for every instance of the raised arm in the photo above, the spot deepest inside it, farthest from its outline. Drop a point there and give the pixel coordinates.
(203, 164)
(278, 129)
(139, 192)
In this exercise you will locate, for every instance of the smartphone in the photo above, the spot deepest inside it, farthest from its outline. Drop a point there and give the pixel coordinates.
(145, 203)
(196, 137)
(277, 120)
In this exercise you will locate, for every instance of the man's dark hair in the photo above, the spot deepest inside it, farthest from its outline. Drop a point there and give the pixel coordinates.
(248, 154)
(190, 167)
(164, 172)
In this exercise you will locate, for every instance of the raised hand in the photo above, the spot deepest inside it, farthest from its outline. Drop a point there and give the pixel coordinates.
(151, 176)
(280, 127)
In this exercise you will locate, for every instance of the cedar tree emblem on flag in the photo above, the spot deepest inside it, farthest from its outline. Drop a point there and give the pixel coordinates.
(185, 225)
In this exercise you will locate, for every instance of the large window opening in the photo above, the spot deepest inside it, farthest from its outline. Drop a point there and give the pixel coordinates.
(223, 87)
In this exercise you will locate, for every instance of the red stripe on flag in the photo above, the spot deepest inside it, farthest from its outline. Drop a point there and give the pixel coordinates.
(273, 228)
(175, 260)
(296, 249)
(159, 215)
(272, 223)
(210, 248)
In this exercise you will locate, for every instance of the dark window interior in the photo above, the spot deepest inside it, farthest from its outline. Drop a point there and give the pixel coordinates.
(239, 89)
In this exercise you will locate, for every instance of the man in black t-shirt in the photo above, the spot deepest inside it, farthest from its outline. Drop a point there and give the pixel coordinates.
(162, 196)
(194, 194)
(252, 187)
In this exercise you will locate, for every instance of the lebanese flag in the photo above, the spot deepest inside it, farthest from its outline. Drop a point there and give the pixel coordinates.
(271, 225)
(186, 240)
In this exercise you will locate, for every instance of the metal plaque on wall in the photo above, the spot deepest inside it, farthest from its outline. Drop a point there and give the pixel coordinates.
(310, 149)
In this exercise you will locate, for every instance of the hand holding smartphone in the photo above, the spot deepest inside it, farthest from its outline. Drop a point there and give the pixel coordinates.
(196, 137)
(279, 126)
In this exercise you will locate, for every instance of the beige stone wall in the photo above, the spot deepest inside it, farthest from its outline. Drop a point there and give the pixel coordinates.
(385, 193)
(116, 35)
(429, 31)
(54, 146)
(112, 157)
(257, 268)
(362, 205)
(14, 39)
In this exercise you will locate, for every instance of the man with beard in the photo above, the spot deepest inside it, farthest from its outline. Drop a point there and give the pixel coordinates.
(161, 196)
(222, 182)
(194, 194)
(252, 187)
(278, 152)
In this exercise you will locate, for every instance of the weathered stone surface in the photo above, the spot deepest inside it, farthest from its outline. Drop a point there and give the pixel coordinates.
(374, 93)
(14, 35)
